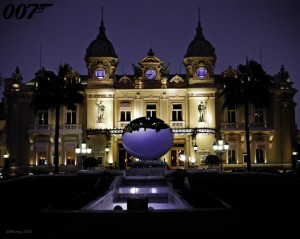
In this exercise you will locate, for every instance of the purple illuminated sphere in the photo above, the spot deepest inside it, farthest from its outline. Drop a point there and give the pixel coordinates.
(147, 138)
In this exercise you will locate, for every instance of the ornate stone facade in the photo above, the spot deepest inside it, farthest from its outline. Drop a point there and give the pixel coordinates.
(151, 91)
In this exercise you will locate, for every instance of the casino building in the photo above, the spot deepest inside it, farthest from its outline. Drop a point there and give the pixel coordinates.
(189, 103)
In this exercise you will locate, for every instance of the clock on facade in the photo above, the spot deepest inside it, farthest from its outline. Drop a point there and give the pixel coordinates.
(150, 74)
(201, 72)
(100, 73)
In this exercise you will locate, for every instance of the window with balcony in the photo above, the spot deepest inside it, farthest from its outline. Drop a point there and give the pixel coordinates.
(151, 110)
(231, 115)
(71, 117)
(125, 111)
(43, 117)
(258, 114)
(176, 112)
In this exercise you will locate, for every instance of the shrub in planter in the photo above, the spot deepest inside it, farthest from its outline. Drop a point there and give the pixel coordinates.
(212, 160)
(177, 178)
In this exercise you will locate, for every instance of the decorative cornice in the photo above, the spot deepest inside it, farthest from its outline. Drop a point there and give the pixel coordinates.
(176, 131)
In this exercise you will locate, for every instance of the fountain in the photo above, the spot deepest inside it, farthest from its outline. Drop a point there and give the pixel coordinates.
(147, 138)
(145, 185)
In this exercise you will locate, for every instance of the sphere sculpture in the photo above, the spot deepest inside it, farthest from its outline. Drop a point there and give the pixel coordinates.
(147, 138)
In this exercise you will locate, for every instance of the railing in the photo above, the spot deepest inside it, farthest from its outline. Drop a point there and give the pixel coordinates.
(123, 124)
(193, 131)
(232, 125)
(241, 126)
(176, 131)
(177, 124)
(47, 128)
(260, 126)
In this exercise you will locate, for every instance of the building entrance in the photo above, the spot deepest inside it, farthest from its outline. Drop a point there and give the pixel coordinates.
(178, 156)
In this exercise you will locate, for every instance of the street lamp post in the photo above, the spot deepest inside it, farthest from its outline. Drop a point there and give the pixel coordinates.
(220, 148)
(107, 134)
(83, 151)
(195, 147)
(107, 149)
(294, 160)
(6, 164)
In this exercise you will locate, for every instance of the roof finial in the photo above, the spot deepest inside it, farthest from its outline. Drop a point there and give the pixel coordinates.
(261, 54)
(199, 27)
(101, 15)
(40, 57)
(150, 52)
(17, 76)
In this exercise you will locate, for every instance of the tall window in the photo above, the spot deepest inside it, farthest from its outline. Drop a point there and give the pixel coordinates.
(231, 156)
(43, 117)
(41, 153)
(125, 114)
(258, 114)
(151, 110)
(71, 116)
(245, 157)
(260, 153)
(231, 118)
(177, 112)
(232, 151)
(42, 158)
(260, 156)
(177, 155)
(70, 154)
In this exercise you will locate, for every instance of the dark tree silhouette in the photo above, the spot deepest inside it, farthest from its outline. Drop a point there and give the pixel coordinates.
(53, 91)
(250, 86)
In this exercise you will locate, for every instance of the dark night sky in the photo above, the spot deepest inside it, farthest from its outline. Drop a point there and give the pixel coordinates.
(264, 30)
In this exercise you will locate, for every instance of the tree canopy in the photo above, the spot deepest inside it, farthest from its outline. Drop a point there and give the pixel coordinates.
(53, 91)
(249, 86)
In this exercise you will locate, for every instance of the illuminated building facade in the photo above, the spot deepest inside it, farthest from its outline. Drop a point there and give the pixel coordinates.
(189, 103)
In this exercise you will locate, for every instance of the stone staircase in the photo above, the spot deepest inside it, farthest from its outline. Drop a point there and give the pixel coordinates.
(145, 183)
(140, 189)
